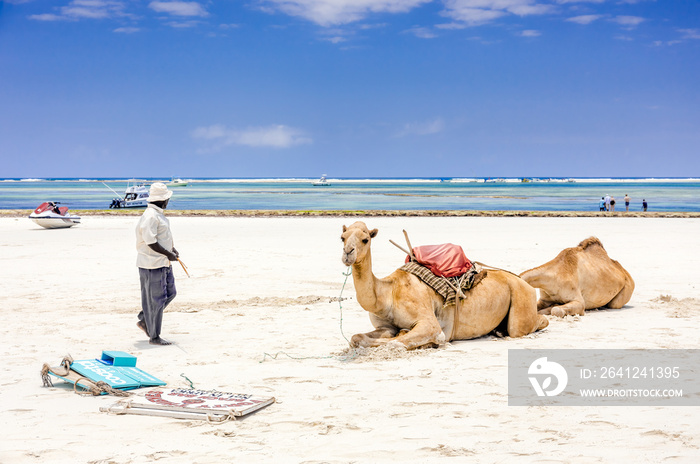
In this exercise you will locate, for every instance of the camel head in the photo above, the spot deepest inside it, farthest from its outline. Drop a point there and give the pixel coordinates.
(356, 242)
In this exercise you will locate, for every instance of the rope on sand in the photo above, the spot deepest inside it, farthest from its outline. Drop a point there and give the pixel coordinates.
(98, 388)
(62, 370)
(354, 353)
(188, 380)
(89, 388)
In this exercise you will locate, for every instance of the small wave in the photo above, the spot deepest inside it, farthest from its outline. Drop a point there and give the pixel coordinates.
(631, 180)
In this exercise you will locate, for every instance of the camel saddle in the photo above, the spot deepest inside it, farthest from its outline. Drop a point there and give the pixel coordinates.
(444, 268)
(446, 260)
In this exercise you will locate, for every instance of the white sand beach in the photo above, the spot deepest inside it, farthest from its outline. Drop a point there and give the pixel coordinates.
(263, 286)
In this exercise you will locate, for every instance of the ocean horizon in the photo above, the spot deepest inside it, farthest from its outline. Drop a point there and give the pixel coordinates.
(664, 194)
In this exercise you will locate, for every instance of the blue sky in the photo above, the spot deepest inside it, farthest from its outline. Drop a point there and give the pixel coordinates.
(376, 88)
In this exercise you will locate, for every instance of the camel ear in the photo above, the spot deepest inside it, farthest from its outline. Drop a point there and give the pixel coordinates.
(373, 233)
(344, 228)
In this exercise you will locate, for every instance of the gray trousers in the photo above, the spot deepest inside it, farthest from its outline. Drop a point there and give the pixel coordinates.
(157, 291)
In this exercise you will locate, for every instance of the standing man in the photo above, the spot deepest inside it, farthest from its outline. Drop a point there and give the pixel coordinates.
(154, 245)
(645, 205)
(607, 202)
(627, 203)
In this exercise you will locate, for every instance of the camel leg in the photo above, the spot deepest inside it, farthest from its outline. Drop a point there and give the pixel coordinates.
(572, 308)
(545, 303)
(523, 317)
(624, 296)
(545, 306)
(370, 338)
(423, 333)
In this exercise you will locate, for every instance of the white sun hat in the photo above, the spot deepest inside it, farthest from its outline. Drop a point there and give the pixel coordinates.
(159, 192)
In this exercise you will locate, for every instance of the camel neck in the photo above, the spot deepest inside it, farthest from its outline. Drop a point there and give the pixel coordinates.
(364, 281)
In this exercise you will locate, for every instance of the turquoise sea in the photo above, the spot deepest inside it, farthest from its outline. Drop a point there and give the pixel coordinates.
(577, 194)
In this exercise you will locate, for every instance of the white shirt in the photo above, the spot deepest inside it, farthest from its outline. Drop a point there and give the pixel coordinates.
(153, 227)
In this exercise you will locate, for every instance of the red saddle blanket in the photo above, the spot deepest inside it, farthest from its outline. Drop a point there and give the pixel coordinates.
(445, 260)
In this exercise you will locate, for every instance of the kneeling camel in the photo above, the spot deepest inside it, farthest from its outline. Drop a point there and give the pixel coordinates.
(580, 278)
(406, 311)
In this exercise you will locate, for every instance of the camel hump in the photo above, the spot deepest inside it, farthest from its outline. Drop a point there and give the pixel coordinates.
(591, 241)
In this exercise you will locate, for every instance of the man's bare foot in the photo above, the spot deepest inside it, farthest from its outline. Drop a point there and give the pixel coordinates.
(159, 341)
(141, 325)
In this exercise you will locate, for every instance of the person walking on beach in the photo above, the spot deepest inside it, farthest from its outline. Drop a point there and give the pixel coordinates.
(601, 204)
(644, 204)
(607, 202)
(612, 204)
(155, 250)
(627, 203)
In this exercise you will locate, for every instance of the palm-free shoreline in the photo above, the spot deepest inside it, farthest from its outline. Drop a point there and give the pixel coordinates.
(368, 213)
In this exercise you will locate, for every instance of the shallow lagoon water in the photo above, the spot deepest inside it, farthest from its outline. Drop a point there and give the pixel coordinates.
(671, 195)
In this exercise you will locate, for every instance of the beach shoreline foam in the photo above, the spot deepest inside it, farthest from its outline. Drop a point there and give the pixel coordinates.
(18, 213)
(262, 314)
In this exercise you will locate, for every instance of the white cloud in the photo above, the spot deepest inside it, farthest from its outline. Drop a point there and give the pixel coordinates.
(451, 26)
(661, 43)
(179, 8)
(628, 21)
(336, 12)
(336, 35)
(85, 9)
(277, 136)
(127, 30)
(472, 16)
(366, 27)
(421, 32)
(580, 1)
(183, 24)
(475, 12)
(690, 33)
(530, 33)
(584, 19)
(47, 17)
(422, 128)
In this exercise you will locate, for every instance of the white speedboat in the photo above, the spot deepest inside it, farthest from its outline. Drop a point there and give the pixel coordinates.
(135, 195)
(51, 216)
(176, 182)
(322, 182)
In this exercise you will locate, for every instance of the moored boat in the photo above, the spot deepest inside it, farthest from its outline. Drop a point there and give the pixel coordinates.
(135, 195)
(322, 182)
(51, 216)
(176, 182)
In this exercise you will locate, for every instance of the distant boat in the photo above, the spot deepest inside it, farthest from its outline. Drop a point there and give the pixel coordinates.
(322, 182)
(135, 195)
(176, 182)
(50, 216)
